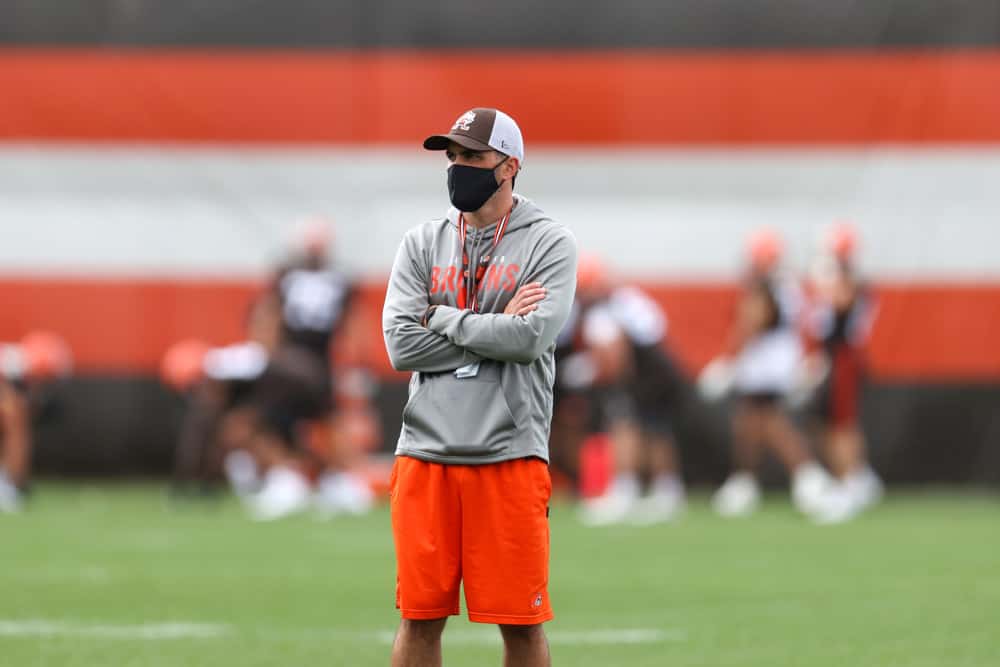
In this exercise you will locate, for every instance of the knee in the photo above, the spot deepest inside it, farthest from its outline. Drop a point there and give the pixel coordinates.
(522, 634)
(235, 430)
(422, 630)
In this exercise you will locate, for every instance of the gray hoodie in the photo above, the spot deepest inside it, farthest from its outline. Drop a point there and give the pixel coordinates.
(504, 411)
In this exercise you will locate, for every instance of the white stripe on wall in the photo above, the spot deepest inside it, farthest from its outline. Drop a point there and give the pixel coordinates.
(923, 214)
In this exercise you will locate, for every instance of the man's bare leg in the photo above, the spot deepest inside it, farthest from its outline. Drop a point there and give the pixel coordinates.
(740, 494)
(418, 643)
(15, 446)
(282, 474)
(236, 429)
(785, 439)
(239, 429)
(626, 440)
(271, 451)
(811, 484)
(15, 435)
(197, 433)
(844, 451)
(568, 432)
(525, 646)
(341, 487)
(665, 498)
(661, 456)
(747, 437)
(619, 498)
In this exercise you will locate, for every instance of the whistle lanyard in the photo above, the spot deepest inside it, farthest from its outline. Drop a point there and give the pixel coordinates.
(477, 278)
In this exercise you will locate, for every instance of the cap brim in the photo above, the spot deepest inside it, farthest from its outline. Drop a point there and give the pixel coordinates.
(439, 142)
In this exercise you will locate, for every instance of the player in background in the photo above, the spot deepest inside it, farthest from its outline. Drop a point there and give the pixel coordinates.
(254, 399)
(24, 368)
(618, 336)
(312, 297)
(841, 315)
(217, 381)
(761, 366)
(572, 413)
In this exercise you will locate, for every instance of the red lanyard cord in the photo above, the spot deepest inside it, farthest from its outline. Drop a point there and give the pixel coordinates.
(474, 281)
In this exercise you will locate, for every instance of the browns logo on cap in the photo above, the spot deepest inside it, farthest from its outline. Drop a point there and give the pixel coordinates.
(482, 129)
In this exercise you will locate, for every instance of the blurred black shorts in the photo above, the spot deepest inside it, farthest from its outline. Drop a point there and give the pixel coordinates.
(296, 386)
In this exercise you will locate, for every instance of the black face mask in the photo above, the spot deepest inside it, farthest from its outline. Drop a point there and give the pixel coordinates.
(470, 187)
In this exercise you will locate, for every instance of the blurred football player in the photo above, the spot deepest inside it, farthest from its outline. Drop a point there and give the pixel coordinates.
(254, 399)
(761, 366)
(24, 367)
(840, 320)
(619, 335)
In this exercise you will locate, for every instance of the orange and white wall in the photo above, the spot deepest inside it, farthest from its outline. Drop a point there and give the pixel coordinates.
(145, 193)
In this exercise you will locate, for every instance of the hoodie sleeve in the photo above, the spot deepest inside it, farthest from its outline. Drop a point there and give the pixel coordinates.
(520, 339)
(412, 347)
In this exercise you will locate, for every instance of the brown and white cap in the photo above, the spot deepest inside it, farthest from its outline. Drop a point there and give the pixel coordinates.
(482, 129)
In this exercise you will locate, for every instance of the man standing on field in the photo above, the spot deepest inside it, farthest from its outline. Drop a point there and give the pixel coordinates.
(474, 305)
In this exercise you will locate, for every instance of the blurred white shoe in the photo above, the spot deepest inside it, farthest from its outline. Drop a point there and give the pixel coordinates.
(811, 485)
(838, 505)
(607, 509)
(866, 486)
(657, 507)
(10, 495)
(614, 505)
(738, 496)
(849, 498)
(241, 471)
(343, 492)
(285, 492)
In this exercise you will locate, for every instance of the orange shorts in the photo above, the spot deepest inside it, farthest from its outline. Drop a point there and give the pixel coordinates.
(482, 525)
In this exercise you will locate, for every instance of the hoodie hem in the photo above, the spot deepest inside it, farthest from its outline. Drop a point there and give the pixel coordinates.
(471, 460)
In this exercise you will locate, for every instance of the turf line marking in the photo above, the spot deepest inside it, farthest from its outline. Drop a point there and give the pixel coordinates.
(142, 631)
(617, 636)
(178, 630)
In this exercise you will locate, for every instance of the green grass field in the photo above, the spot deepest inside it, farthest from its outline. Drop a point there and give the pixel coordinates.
(113, 575)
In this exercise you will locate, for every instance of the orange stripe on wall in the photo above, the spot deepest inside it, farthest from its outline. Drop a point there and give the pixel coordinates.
(922, 332)
(124, 326)
(937, 331)
(941, 332)
(611, 97)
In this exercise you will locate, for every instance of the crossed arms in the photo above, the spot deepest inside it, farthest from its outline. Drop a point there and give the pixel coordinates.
(454, 337)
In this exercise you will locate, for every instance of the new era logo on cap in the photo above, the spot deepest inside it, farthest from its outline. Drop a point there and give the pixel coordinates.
(482, 129)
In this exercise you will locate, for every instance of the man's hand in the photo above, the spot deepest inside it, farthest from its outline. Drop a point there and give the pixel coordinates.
(525, 300)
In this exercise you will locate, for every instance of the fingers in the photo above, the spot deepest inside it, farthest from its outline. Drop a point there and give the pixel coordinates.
(531, 296)
(526, 299)
(515, 306)
(522, 308)
(529, 291)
